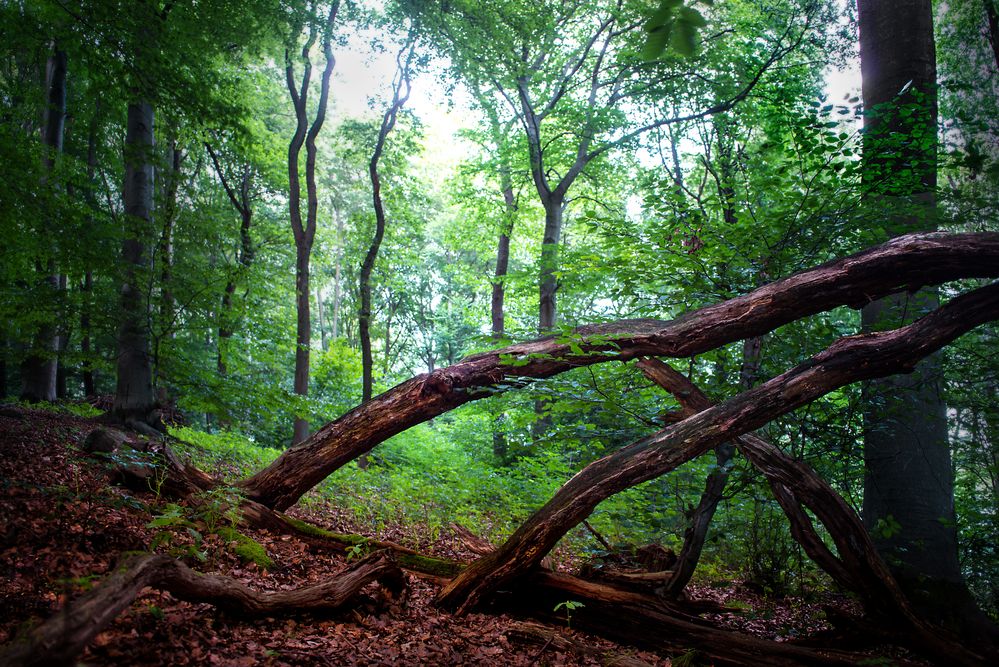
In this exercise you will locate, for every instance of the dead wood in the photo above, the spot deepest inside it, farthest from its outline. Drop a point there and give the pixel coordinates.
(542, 635)
(904, 263)
(848, 360)
(60, 639)
(649, 622)
(858, 566)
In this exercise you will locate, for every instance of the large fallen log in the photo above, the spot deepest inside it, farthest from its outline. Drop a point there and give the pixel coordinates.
(848, 360)
(61, 638)
(904, 263)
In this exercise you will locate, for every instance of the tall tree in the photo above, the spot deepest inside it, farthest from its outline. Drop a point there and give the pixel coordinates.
(38, 370)
(134, 399)
(401, 89)
(305, 233)
(909, 486)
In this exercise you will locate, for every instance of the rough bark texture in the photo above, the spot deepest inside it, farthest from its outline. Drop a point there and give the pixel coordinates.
(848, 360)
(901, 264)
(60, 639)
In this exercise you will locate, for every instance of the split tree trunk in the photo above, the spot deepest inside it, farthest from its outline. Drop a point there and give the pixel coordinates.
(848, 360)
(901, 264)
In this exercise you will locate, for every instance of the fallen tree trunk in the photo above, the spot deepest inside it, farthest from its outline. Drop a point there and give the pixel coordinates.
(848, 360)
(545, 637)
(656, 624)
(858, 566)
(904, 263)
(60, 639)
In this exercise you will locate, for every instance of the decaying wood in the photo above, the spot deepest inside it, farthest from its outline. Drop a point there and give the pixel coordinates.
(542, 635)
(858, 567)
(653, 623)
(904, 263)
(66, 634)
(481, 546)
(848, 360)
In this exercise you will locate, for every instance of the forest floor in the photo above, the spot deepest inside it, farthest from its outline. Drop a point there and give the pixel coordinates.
(62, 525)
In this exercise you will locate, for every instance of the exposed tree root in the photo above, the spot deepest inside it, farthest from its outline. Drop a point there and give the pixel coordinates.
(65, 635)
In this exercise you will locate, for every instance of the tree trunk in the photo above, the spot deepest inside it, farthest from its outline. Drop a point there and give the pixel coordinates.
(901, 264)
(303, 335)
(134, 399)
(87, 288)
(908, 484)
(39, 368)
(400, 94)
(549, 263)
(846, 361)
(337, 276)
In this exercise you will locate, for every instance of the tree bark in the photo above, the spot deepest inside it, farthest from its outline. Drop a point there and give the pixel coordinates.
(848, 360)
(901, 264)
(39, 367)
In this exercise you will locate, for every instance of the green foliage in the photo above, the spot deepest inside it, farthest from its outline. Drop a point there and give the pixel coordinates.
(569, 606)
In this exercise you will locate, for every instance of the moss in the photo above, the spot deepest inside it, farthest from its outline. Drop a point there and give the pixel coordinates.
(245, 547)
(416, 562)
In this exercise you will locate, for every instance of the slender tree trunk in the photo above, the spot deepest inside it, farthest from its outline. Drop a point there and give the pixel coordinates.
(714, 487)
(305, 234)
(549, 263)
(165, 254)
(400, 94)
(323, 339)
(87, 288)
(39, 368)
(241, 202)
(337, 276)
(908, 486)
